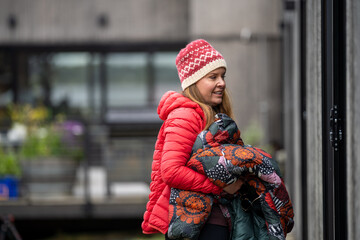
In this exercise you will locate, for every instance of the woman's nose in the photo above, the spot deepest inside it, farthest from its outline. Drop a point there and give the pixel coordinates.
(221, 82)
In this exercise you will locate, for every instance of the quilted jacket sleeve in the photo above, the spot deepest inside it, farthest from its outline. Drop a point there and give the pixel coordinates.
(182, 128)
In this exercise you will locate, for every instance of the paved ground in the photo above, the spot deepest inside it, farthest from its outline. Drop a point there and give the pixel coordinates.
(290, 236)
(107, 236)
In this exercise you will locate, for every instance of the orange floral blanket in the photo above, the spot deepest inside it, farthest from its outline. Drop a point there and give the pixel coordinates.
(220, 154)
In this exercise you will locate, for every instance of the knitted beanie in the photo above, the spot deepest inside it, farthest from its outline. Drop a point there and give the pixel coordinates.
(196, 60)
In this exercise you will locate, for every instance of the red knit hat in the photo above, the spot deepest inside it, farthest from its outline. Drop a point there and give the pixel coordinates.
(196, 60)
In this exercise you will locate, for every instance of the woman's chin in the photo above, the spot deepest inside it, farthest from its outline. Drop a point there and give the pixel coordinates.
(216, 103)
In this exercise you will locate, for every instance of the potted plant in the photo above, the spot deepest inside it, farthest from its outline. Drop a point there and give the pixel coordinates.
(50, 152)
(9, 175)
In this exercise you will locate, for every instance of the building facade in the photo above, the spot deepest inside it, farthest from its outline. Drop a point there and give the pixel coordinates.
(107, 64)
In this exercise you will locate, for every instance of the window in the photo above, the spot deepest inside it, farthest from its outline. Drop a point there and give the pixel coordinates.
(127, 79)
(166, 77)
(69, 79)
(6, 93)
(94, 84)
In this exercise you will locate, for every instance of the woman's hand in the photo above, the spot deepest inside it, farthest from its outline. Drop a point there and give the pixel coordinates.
(234, 187)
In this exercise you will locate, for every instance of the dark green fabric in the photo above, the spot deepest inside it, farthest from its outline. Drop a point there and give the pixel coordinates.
(246, 225)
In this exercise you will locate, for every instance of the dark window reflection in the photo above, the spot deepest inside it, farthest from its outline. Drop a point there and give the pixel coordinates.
(73, 83)
(166, 77)
(127, 79)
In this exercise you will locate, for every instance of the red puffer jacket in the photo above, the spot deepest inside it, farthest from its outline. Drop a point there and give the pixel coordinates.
(183, 121)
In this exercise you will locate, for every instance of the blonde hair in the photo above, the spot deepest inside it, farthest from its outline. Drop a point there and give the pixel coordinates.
(193, 93)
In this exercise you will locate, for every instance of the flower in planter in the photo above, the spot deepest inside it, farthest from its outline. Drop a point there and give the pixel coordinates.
(45, 136)
(49, 152)
(44, 141)
(17, 133)
(72, 137)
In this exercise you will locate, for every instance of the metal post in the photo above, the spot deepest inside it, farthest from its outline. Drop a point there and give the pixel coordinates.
(328, 158)
(303, 121)
(334, 105)
(339, 95)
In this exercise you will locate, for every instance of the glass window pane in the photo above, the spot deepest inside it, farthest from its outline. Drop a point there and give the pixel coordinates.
(39, 71)
(6, 91)
(127, 79)
(95, 87)
(59, 80)
(69, 80)
(166, 77)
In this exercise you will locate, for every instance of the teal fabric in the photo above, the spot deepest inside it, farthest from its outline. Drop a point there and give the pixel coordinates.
(246, 225)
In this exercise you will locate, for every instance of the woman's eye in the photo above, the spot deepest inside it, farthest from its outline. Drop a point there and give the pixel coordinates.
(223, 77)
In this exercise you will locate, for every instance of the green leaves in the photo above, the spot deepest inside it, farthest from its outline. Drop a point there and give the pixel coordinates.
(9, 164)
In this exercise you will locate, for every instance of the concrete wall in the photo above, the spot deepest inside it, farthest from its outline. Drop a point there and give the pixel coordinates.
(353, 117)
(53, 21)
(253, 75)
(230, 16)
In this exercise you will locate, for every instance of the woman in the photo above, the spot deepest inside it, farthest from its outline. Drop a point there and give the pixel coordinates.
(201, 70)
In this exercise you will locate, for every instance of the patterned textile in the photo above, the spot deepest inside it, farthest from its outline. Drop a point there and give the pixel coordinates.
(220, 154)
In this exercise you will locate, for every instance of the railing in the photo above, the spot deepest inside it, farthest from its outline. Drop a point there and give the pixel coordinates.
(116, 184)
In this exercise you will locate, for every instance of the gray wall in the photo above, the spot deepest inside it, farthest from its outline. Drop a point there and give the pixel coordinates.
(230, 16)
(53, 21)
(353, 117)
(253, 76)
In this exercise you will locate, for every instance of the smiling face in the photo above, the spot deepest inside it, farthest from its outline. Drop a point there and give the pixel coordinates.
(212, 86)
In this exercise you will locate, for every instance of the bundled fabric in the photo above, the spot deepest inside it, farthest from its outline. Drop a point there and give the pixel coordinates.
(262, 208)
